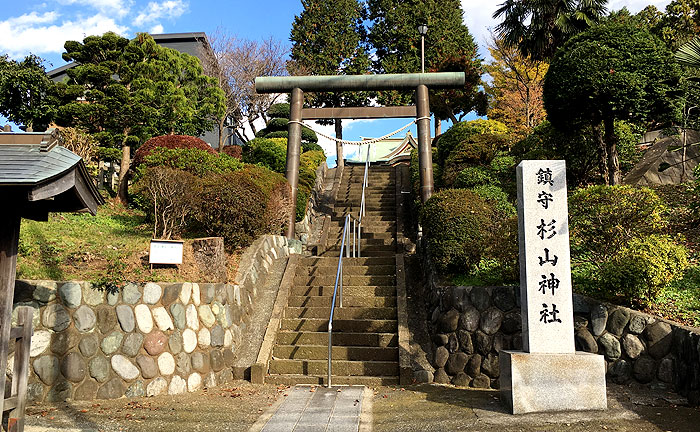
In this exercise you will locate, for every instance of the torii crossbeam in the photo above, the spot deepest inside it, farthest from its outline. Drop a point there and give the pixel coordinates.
(418, 82)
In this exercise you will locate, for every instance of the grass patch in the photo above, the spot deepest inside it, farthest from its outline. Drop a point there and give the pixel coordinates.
(108, 249)
(488, 272)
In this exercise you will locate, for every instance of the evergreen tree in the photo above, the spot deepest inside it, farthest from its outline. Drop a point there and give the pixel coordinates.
(329, 39)
(449, 47)
(124, 92)
(27, 95)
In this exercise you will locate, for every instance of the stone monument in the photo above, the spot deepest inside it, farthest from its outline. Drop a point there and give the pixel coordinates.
(548, 375)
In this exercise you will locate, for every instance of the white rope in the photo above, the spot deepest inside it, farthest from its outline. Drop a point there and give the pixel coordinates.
(372, 141)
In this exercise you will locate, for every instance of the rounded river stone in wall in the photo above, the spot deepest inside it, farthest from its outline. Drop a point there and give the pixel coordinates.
(644, 369)
(620, 371)
(481, 381)
(474, 365)
(166, 364)
(177, 386)
(60, 392)
(155, 343)
(618, 321)
(40, 341)
(206, 315)
(178, 312)
(204, 338)
(99, 368)
(148, 366)
(175, 342)
(490, 365)
(86, 391)
(55, 317)
(88, 345)
(441, 376)
(189, 340)
(512, 323)
(465, 341)
(440, 339)
(126, 318)
(163, 320)
(665, 372)
(469, 320)
(124, 368)
(191, 317)
(85, 319)
(71, 294)
(196, 297)
(194, 382)
(585, 341)
(441, 357)
(483, 342)
(113, 389)
(46, 368)
(610, 346)
(491, 320)
(480, 298)
(132, 344)
(185, 292)
(73, 367)
(637, 324)
(170, 294)
(136, 390)
(182, 364)
(200, 362)
(599, 319)
(131, 294)
(217, 336)
(456, 363)
(64, 341)
(659, 339)
(143, 318)
(45, 291)
(461, 380)
(152, 293)
(503, 298)
(632, 346)
(91, 295)
(112, 342)
(106, 318)
(217, 360)
(156, 387)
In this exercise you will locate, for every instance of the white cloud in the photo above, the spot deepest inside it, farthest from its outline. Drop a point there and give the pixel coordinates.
(479, 20)
(24, 34)
(112, 7)
(155, 11)
(156, 29)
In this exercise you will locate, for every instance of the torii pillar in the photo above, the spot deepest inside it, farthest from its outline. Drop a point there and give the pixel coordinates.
(418, 82)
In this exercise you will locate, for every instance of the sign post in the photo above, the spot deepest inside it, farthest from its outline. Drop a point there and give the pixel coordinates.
(548, 375)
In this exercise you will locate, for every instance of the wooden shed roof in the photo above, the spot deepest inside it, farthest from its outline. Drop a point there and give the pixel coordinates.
(41, 176)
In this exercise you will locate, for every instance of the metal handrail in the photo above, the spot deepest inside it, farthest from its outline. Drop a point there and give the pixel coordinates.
(338, 287)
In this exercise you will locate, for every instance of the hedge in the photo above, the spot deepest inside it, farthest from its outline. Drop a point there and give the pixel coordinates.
(169, 142)
(194, 161)
(465, 130)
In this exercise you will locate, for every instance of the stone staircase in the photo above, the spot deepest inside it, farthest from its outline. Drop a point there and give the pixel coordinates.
(365, 330)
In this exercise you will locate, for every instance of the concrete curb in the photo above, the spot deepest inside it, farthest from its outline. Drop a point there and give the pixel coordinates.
(259, 369)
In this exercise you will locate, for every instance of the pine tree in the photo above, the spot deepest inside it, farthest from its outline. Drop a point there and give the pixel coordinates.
(329, 39)
(449, 47)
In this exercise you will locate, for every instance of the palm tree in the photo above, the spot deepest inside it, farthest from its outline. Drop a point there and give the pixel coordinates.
(539, 27)
(689, 53)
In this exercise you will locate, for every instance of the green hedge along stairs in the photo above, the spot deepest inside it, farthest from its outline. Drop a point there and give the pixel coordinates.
(365, 330)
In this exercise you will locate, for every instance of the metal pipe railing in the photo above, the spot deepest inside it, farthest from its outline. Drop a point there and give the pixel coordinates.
(345, 248)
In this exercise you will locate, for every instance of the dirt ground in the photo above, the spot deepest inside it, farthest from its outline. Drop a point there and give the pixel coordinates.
(424, 408)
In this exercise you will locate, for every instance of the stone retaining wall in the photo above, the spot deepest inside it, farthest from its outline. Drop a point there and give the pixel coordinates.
(470, 325)
(145, 339)
(314, 213)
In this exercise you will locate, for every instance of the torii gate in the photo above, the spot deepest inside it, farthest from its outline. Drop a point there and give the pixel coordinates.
(419, 82)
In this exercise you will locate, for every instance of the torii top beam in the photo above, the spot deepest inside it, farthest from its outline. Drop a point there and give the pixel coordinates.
(331, 83)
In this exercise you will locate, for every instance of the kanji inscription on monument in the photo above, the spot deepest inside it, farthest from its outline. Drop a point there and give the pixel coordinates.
(545, 272)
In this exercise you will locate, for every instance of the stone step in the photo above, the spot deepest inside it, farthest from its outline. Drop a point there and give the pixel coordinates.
(320, 352)
(368, 217)
(348, 301)
(339, 339)
(345, 312)
(340, 325)
(375, 269)
(364, 242)
(348, 290)
(365, 253)
(329, 279)
(330, 261)
(340, 367)
(369, 381)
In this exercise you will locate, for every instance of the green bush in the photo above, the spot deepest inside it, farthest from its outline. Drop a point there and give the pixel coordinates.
(310, 146)
(474, 176)
(641, 270)
(308, 164)
(267, 152)
(475, 150)
(307, 135)
(243, 205)
(603, 219)
(503, 249)
(196, 162)
(279, 110)
(466, 130)
(495, 196)
(415, 172)
(456, 224)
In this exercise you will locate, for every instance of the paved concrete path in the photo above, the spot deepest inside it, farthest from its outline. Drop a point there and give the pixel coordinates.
(316, 409)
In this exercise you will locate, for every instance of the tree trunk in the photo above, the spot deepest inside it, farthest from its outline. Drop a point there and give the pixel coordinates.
(438, 127)
(252, 126)
(615, 177)
(598, 135)
(339, 146)
(222, 128)
(123, 188)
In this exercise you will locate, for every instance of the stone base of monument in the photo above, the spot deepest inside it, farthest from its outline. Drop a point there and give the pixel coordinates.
(537, 382)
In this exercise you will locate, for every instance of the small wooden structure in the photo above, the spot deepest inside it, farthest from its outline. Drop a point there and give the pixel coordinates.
(37, 176)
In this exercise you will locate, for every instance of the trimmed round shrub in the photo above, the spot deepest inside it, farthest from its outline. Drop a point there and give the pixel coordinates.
(268, 152)
(476, 150)
(276, 124)
(465, 130)
(503, 165)
(456, 224)
(235, 151)
(243, 205)
(311, 146)
(603, 219)
(641, 270)
(495, 196)
(195, 161)
(503, 248)
(474, 176)
(279, 110)
(308, 135)
(170, 142)
(277, 134)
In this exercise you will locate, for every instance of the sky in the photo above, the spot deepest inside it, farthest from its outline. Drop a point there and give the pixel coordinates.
(42, 27)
